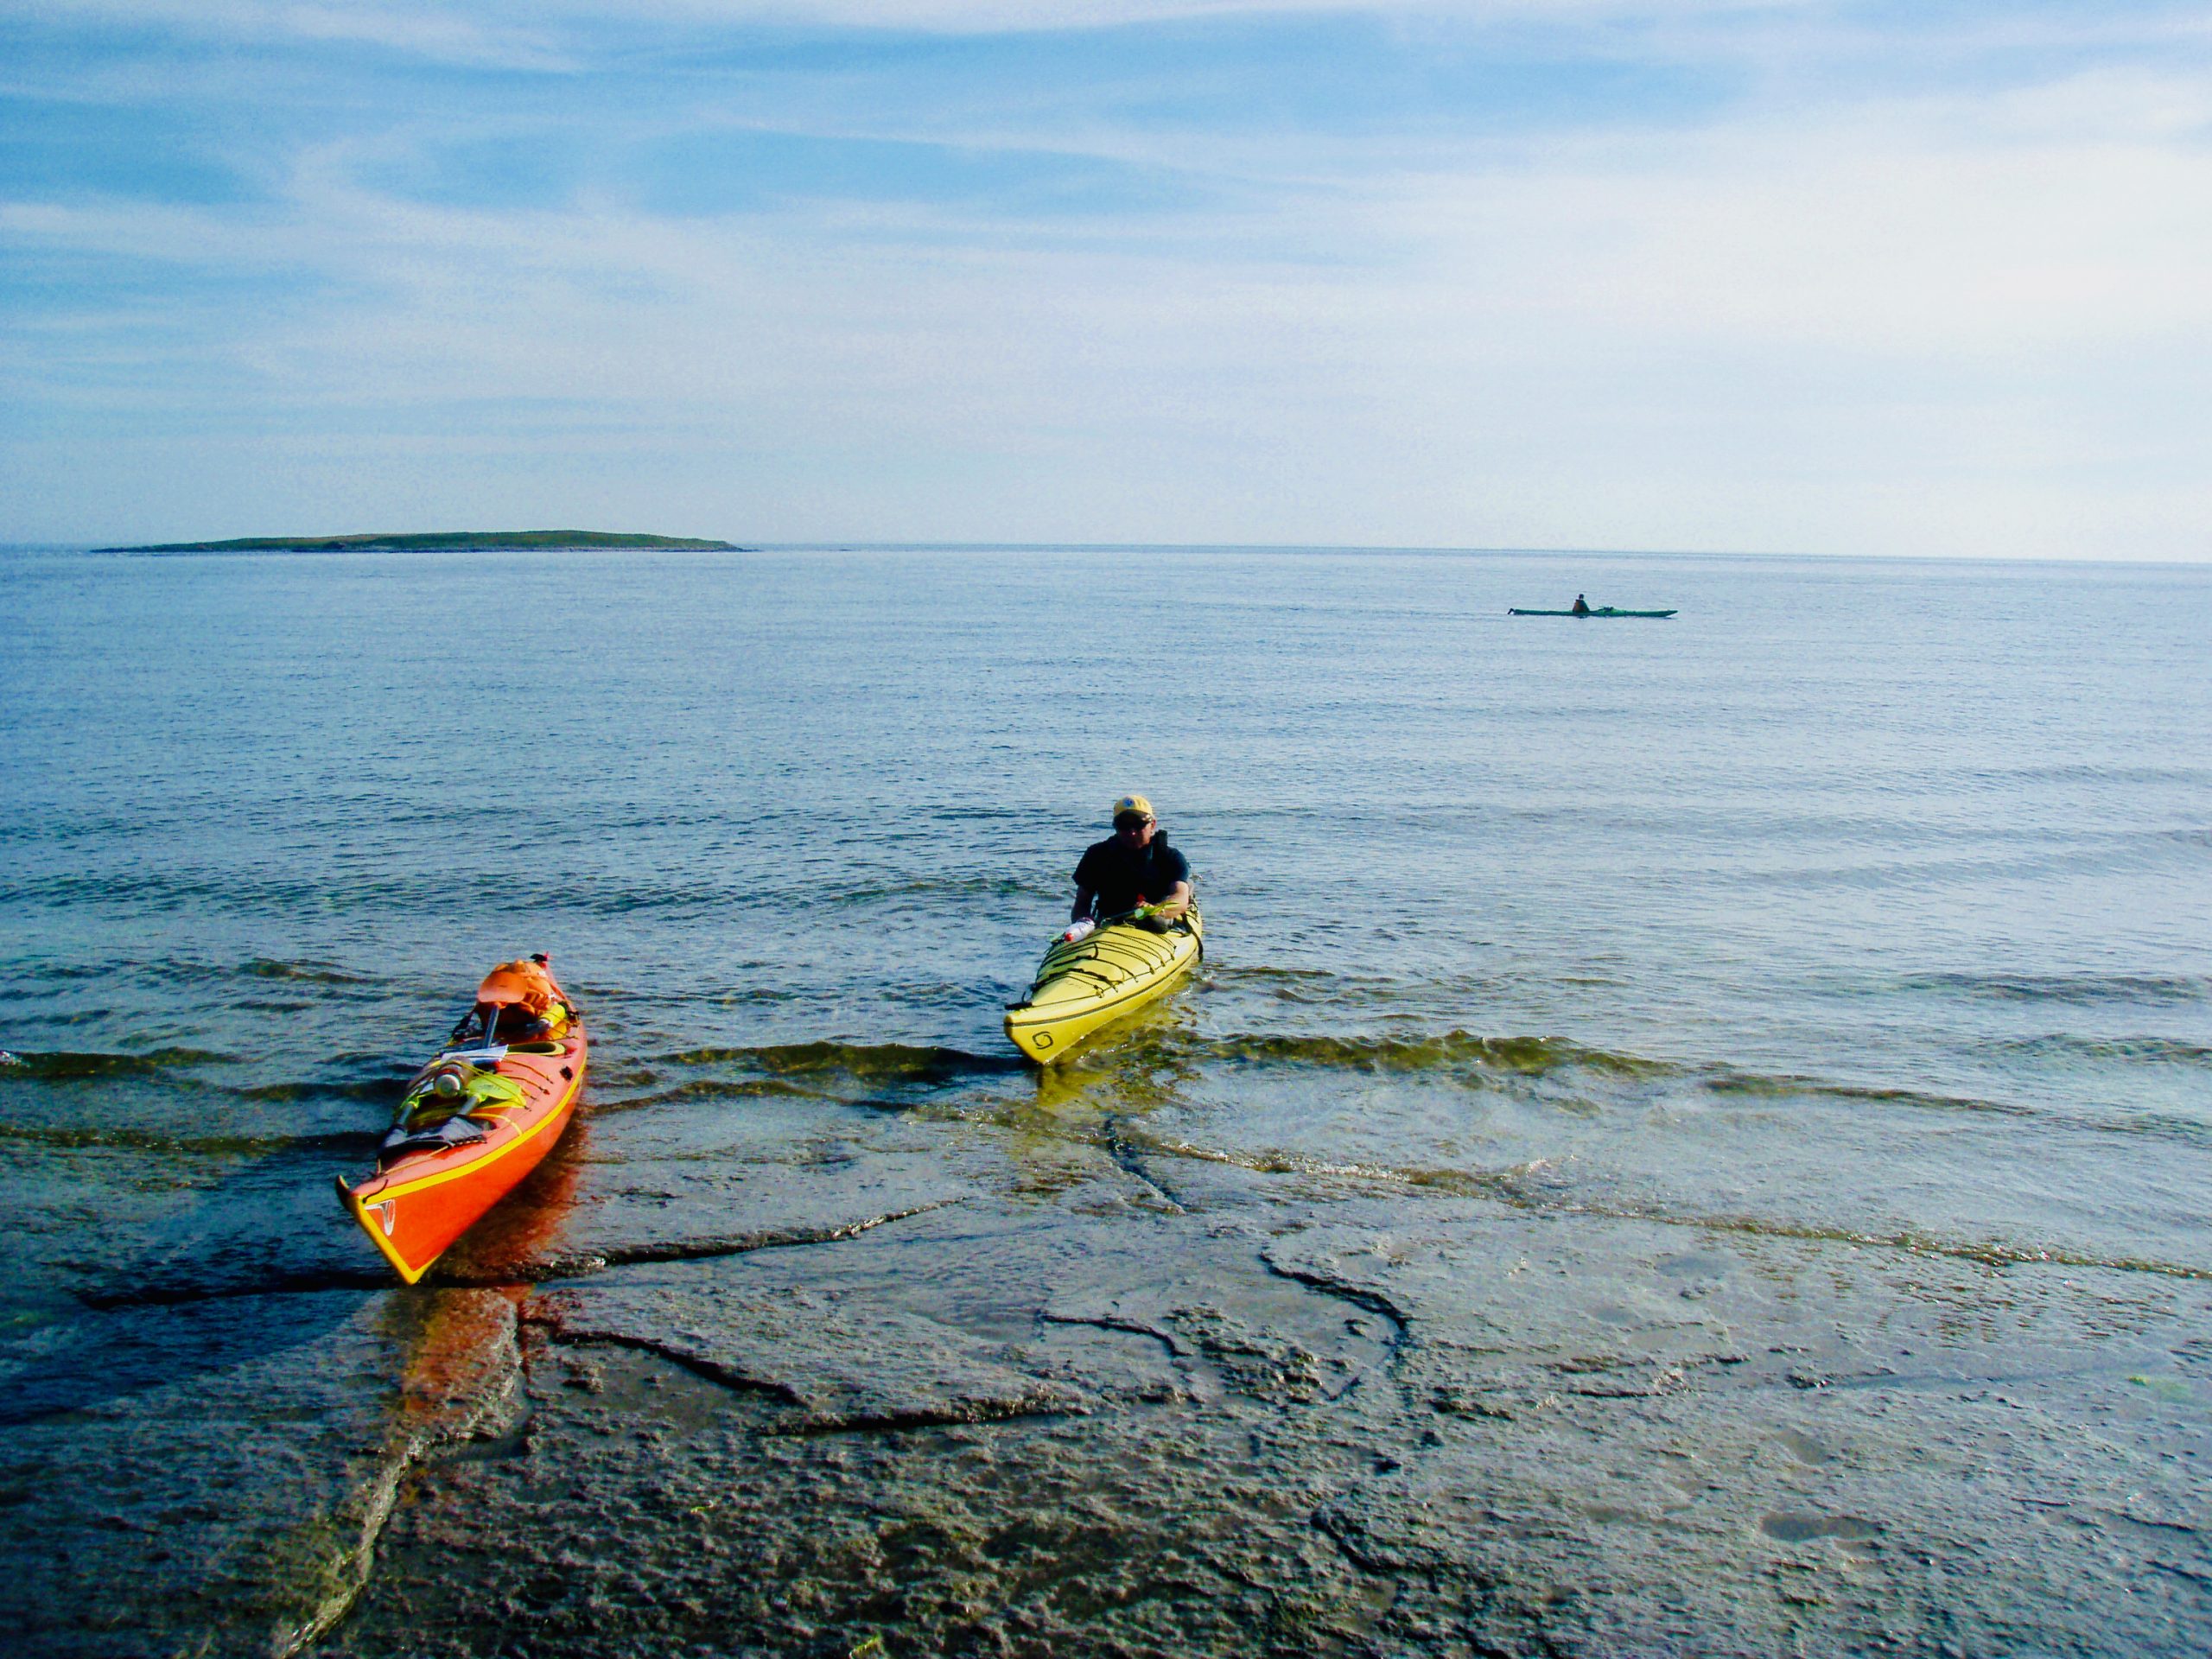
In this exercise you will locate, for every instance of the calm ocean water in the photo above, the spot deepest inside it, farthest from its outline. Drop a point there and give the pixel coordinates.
(1859, 898)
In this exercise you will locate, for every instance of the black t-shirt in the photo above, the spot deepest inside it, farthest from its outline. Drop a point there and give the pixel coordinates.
(1122, 878)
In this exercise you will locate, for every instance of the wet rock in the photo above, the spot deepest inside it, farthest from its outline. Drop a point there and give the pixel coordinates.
(1283, 1414)
(241, 1504)
(839, 1361)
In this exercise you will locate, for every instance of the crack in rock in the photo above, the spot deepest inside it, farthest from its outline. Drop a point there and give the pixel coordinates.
(583, 1263)
(1126, 1327)
(1371, 1301)
(1130, 1160)
(839, 1364)
(468, 1366)
(531, 1271)
(284, 1284)
(1044, 1400)
(726, 1375)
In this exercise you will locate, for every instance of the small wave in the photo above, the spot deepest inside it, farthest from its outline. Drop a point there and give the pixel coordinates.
(311, 973)
(1725, 1080)
(608, 897)
(2138, 1050)
(367, 1078)
(2167, 1125)
(1532, 1187)
(66, 1067)
(1988, 1252)
(326, 978)
(1506, 1184)
(383, 1089)
(1461, 1052)
(306, 972)
(1527, 1056)
(246, 892)
(62, 972)
(868, 1062)
(176, 1292)
(2066, 987)
(967, 888)
(2011, 778)
(1325, 987)
(136, 1139)
(1316, 987)
(706, 1088)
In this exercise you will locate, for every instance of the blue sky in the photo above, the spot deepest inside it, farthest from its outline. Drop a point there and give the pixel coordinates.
(1829, 278)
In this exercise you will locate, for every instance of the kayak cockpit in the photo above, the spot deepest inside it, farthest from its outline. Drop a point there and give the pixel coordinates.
(453, 1101)
(517, 1002)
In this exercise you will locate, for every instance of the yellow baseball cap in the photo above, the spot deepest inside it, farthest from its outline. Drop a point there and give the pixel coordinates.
(1129, 804)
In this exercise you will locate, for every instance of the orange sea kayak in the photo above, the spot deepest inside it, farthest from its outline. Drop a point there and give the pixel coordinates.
(476, 1119)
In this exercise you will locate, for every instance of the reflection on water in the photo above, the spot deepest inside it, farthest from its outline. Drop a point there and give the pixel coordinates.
(525, 1231)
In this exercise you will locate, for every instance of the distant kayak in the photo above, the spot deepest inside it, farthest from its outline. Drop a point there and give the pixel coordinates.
(1599, 610)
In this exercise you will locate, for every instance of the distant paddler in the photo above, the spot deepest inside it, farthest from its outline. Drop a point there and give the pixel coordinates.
(1135, 935)
(1132, 869)
(1583, 607)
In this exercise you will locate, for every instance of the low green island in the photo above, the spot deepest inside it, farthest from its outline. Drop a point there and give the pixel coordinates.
(436, 541)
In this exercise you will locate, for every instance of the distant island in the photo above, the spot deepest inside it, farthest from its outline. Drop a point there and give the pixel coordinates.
(436, 541)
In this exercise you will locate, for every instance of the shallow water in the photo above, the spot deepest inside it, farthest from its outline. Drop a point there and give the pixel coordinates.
(1719, 1109)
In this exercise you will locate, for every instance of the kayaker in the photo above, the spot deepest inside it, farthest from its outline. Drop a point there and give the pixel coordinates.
(1581, 606)
(1134, 866)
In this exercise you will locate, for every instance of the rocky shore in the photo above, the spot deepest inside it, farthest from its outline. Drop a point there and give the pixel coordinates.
(1011, 1377)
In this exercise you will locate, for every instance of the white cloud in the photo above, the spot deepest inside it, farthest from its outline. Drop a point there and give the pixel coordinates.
(495, 35)
(431, 21)
(1960, 322)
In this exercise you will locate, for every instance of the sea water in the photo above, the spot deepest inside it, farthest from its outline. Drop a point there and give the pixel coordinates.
(1860, 906)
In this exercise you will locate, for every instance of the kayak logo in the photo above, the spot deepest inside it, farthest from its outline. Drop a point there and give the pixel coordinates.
(382, 1212)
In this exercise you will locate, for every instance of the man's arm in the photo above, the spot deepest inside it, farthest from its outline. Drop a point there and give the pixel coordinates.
(1179, 893)
(1083, 896)
(1177, 901)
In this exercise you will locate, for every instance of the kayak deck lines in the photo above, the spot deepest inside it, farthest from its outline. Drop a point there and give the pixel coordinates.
(1083, 984)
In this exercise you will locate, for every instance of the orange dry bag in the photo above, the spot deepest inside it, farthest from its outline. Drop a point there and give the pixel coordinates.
(522, 983)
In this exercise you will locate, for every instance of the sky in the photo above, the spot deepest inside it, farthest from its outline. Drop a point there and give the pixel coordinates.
(1818, 276)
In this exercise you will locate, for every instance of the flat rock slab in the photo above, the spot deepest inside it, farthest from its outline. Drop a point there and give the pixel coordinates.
(837, 1360)
(1369, 1423)
(299, 1419)
(1051, 1388)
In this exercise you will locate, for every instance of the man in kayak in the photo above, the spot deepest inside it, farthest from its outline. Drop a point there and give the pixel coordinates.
(1581, 606)
(1134, 866)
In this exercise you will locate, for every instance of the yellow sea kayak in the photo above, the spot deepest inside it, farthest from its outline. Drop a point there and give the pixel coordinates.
(1098, 978)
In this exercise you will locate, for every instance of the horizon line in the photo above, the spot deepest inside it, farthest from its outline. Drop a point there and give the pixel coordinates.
(1418, 549)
